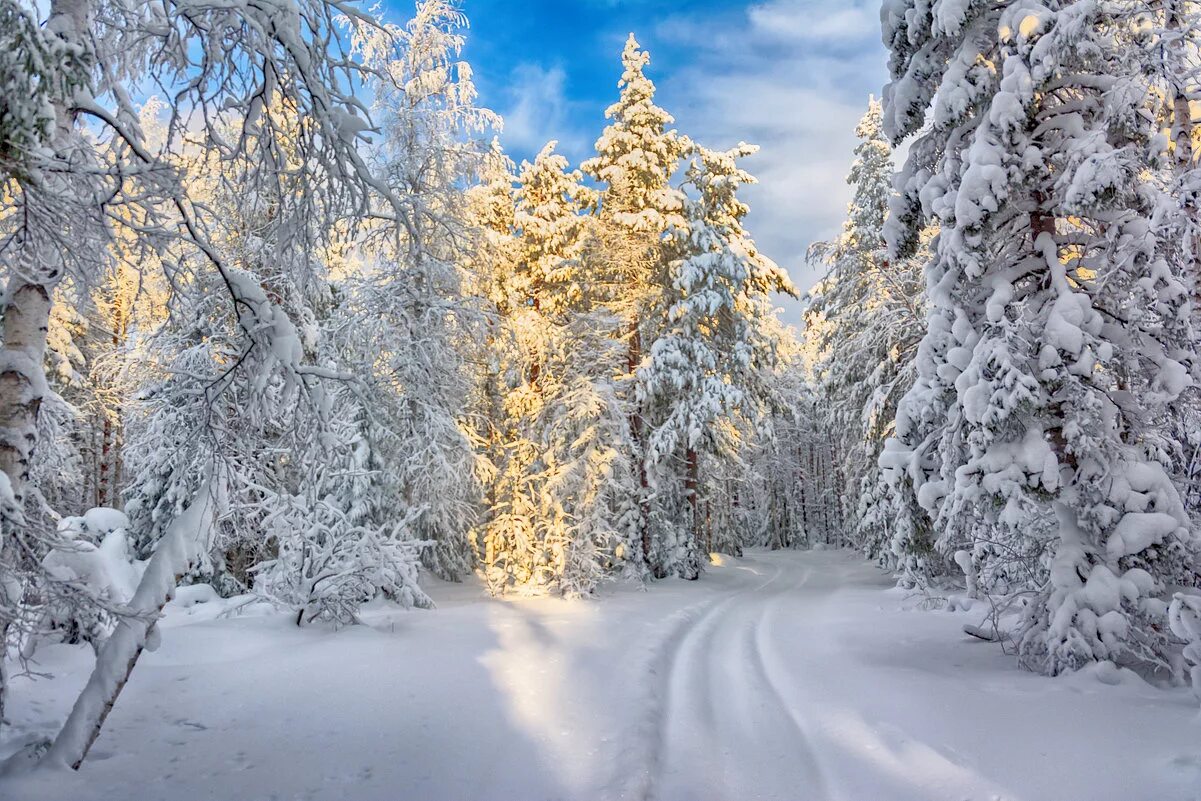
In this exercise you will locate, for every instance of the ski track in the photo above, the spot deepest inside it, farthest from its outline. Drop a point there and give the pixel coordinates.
(649, 740)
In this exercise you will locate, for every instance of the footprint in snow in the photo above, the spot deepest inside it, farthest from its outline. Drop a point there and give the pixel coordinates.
(191, 724)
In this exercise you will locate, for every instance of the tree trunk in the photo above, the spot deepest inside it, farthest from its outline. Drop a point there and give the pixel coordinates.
(709, 545)
(644, 501)
(22, 387)
(106, 452)
(535, 355)
(1179, 73)
(691, 568)
(1040, 221)
(22, 372)
(803, 494)
(22, 381)
(182, 544)
(1182, 113)
(110, 443)
(819, 458)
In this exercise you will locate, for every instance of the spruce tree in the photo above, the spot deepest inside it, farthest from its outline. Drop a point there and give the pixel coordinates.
(713, 360)
(867, 318)
(1054, 302)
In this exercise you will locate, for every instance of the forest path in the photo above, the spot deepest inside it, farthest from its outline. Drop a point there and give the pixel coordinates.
(719, 696)
(783, 676)
(765, 692)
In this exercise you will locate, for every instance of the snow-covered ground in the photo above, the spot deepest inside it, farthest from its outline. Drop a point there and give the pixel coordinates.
(791, 675)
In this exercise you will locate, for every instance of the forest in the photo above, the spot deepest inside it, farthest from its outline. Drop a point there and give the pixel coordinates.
(303, 378)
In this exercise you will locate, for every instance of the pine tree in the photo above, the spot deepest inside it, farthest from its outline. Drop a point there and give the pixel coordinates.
(548, 221)
(637, 155)
(566, 475)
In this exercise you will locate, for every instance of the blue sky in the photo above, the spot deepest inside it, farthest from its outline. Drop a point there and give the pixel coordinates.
(792, 76)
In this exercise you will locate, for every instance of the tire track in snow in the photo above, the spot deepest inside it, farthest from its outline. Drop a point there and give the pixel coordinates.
(644, 743)
(820, 788)
(648, 741)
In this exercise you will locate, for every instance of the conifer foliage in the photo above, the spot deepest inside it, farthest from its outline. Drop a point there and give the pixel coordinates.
(1036, 438)
(639, 357)
(1012, 426)
(863, 325)
(713, 360)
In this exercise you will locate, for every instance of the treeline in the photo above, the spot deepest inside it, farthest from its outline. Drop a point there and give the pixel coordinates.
(361, 339)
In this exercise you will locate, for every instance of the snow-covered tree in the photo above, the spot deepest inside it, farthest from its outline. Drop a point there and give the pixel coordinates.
(93, 175)
(1179, 32)
(714, 357)
(81, 171)
(777, 483)
(1057, 316)
(637, 155)
(1184, 617)
(564, 497)
(332, 552)
(866, 319)
(491, 267)
(408, 322)
(548, 221)
(200, 385)
(39, 72)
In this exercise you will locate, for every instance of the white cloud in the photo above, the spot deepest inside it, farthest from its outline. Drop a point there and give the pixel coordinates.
(816, 21)
(537, 110)
(792, 76)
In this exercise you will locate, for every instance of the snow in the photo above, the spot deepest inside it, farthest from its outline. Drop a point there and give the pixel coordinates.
(788, 675)
(105, 520)
(194, 595)
(107, 568)
(1138, 531)
(1185, 619)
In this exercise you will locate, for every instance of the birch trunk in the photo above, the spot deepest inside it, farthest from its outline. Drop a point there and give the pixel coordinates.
(30, 284)
(179, 548)
(1182, 113)
(1182, 124)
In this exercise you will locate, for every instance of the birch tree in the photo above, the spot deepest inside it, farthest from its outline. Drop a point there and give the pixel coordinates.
(410, 320)
(79, 170)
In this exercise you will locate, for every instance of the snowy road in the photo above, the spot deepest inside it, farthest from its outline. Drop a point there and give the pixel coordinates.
(797, 676)
(717, 694)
